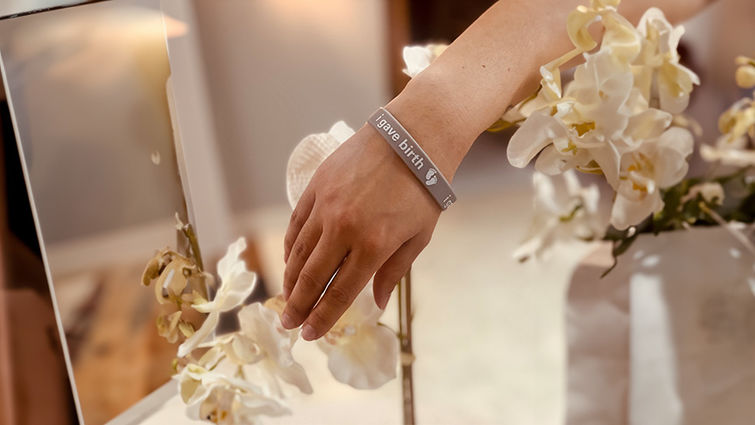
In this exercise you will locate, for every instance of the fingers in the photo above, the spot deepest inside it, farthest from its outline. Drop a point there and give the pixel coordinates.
(298, 218)
(396, 267)
(300, 251)
(347, 284)
(312, 280)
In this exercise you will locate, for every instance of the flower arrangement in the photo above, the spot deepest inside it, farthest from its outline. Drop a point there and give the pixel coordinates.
(240, 376)
(621, 117)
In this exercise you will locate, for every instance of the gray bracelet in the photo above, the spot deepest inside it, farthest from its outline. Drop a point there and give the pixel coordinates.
(413, 156)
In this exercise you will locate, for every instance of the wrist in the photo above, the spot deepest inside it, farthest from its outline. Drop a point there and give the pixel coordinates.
(427, 110)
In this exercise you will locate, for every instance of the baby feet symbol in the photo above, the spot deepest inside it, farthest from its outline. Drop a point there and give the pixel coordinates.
(431, 177)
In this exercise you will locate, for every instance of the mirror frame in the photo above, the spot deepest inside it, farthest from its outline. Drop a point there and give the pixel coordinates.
(49, 9)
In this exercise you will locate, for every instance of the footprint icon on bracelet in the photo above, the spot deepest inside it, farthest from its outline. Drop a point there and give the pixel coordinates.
(431, 177)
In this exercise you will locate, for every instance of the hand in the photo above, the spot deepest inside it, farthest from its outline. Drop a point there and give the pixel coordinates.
(363, 213)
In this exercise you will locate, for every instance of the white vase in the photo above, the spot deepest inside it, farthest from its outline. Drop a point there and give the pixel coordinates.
(668, 337)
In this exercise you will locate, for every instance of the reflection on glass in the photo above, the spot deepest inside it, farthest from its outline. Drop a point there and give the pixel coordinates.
(87, 87)
(14, 7)
(30, 347)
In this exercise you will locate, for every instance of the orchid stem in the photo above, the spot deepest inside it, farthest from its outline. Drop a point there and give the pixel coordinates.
(192, 237)
(407, 356)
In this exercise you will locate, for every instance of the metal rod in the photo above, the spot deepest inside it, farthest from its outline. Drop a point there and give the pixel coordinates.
(407, 356)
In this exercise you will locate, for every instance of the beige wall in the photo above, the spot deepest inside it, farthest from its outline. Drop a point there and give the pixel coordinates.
(715, 37)
(279, 70)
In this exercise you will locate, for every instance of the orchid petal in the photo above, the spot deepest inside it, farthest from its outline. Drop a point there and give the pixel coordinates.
(364, 362)
(536, 133)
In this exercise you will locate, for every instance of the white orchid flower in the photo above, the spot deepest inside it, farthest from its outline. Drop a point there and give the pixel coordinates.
(735, 146)
(602, 122)
(417, 58)
(581, 130)
(712, 193)
(735, 153)
(308, 155)
(658, 164)
(658, 73)
(745, 75)
(261, 332)
(236, 284)
(361, 352)
(561, 215)
(216, 397)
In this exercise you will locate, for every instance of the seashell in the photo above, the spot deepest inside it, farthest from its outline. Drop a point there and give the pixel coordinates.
(308, 155)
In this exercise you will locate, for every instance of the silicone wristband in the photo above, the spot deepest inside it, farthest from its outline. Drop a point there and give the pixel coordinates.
(413, 156)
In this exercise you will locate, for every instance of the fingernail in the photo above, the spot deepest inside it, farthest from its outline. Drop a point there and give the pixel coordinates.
(287, 321)
(308, 332)
(383, 301)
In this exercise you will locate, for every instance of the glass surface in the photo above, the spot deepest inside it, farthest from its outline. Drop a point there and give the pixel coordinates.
(87, 89)
(487, 331)
(30, 347)
(20, 7)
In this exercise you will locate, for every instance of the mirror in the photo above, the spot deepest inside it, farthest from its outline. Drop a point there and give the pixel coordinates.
(12, 8)
(87, 88)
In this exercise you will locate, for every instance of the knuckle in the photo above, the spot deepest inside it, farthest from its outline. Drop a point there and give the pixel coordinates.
(344, 221)
(300, 249)
(308, 282)
(288, 279)
(373, 242)
(339, 296)
(296, 309)
(321, 320)
(296, 217)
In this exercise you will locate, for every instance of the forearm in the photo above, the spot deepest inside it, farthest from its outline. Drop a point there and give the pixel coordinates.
(492, 65)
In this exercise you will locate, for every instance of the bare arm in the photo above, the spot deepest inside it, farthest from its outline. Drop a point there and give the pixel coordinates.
(363, 212)
(494, 64)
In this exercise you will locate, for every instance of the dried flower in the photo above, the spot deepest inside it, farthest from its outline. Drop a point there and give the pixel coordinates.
(745, 75)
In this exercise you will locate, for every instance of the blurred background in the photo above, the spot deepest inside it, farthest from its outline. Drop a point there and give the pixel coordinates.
(100, 92)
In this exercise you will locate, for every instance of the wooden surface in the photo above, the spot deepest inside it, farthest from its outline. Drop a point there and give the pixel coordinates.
(6, 371)
(121, 358)
(398, 37)
(118, 357)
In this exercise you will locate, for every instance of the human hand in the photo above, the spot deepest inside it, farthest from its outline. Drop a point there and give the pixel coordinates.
(363, 213)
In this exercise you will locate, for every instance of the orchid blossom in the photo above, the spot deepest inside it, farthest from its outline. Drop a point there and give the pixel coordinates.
(309, 154)
(216, 397)
(236, 284)
(561, 215)
(361, 352)
(417, 58)
(615, 117)
(736, 145)
(657, 164)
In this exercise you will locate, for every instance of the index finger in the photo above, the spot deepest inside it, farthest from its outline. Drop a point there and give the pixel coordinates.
(351, 278)
(298, 217)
